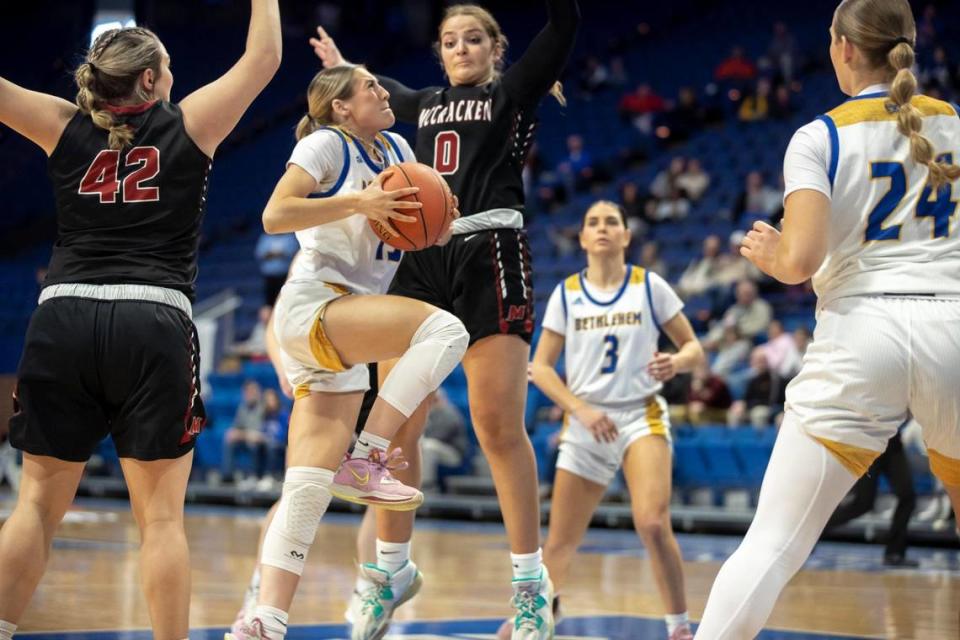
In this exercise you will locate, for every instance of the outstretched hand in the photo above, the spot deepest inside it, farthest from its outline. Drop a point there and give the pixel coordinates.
(326, 49)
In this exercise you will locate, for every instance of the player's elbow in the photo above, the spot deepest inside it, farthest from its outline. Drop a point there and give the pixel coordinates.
(272, 220)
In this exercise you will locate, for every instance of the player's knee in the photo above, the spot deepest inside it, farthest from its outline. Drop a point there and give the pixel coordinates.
(305, 498)
(447, 330)
(498, 431)
(652, 524)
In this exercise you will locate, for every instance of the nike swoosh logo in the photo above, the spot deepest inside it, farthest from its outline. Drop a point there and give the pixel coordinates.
(470, 237)
(362, 479)
(280, 622)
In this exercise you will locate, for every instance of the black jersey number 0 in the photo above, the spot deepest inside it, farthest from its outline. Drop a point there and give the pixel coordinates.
(101, 179)
(446, 152)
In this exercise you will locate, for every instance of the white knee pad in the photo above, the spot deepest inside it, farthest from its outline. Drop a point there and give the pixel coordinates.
(435, 349)
(306, 496)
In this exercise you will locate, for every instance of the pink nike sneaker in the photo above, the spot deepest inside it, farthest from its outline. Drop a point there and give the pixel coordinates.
(252, 630)
(368, 481)
(682, 632)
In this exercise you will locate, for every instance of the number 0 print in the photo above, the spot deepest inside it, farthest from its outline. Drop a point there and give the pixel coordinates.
(101, 177)
(446, 152)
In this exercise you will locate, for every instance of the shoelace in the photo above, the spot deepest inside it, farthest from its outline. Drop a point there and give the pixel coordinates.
(374, 595)
(394, 461)
(526, 603)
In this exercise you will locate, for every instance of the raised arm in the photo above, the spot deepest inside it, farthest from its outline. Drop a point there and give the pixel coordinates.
(404, 101)
(532, 76)
(211, 112)
(39, 117)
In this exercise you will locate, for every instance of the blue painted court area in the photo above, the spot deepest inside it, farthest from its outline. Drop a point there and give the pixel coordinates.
(586, 628)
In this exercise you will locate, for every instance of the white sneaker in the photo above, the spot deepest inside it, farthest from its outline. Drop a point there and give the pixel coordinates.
(250, 597)
(371, 610)
(533, 600)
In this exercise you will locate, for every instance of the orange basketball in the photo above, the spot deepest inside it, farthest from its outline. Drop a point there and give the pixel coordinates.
(432, 218)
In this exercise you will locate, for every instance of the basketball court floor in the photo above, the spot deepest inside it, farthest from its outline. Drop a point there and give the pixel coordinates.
(91, 591)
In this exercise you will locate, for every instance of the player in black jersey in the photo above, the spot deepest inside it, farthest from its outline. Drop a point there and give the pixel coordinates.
(476, 132)
(111, 349)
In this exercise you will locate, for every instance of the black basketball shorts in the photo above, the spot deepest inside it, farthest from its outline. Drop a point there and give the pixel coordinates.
(483, 278)
(92, 368)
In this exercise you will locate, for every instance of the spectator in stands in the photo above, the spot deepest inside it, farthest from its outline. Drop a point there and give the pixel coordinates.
(755, 106)
(928, 29)
(698, 276)
(757, 198)
(732, 352)
(270, 457)
(274, 253)
(255, 346)
(9, 459)
(687, 117)
(672, 208)
(750, 314)
(783, 52)
(247, 429)
(781, 351)
(732, 268)
(764, 396)
(577, 168)
(736, 69)
(640, 106)
(666, 179)
(594, 77)
(693, 181)
(532, 170)
(941, 74)
(781, 106)
(619, 77)
(708, 398)
(634, 206)
(444, 441)
(650, 259)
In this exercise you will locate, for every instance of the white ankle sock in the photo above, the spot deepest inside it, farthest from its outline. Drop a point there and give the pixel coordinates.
(367, 442)
(527, 565)
(675, 620)
(6, 630)
(274, 621)
(392, 556)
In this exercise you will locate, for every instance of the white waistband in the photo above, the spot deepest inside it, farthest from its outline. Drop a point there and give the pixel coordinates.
(492, 219)
(143, 292)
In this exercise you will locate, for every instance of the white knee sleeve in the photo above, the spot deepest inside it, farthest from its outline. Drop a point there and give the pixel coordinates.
(436, 348)
(306, 496)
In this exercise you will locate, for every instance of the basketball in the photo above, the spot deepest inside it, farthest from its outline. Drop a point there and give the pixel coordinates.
(432, 219)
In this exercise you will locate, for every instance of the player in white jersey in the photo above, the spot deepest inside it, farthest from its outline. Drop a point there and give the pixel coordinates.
(868, 206)
(607, 320)
(332, 318)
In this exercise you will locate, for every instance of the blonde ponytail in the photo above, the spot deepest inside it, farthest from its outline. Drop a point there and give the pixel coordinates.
(335, 83)
(557, 92)
(909, 121)
(884, 31)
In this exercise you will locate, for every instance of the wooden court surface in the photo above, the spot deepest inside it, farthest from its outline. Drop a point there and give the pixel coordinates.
(92, 579)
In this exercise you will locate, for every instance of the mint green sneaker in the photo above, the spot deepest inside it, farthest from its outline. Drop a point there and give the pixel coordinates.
(533, 600)
(370, 611)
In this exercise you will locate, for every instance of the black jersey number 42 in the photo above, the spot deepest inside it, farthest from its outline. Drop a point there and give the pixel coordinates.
(101, 178)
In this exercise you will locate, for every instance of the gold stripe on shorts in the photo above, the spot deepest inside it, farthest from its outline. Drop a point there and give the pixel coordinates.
(655, 417)
(945, 468)
(855, 459)
(321, 347)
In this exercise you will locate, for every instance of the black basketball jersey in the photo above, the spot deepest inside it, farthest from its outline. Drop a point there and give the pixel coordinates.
(130, 216)
(477, 137)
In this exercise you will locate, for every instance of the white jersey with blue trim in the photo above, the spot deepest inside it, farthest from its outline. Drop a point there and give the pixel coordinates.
(609, 339)
(345, 252)
(889, 233)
